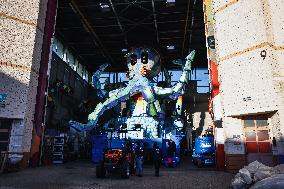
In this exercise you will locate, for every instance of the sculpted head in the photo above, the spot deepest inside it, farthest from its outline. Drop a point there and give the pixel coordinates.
(143, 62)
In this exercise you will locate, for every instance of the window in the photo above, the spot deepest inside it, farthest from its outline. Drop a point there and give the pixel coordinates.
(257, 134)
(261, 123)
(249, 123)
(69, 58)
(64, 58)
(202, 77)
(57, 47)
(122, 77)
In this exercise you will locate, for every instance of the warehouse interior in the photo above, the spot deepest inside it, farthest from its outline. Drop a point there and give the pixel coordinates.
(89, 34)
(80, 78)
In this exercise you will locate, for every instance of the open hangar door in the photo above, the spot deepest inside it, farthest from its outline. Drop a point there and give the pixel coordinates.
(89, 34)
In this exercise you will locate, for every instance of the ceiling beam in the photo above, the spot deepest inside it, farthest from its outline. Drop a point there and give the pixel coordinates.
(115, 4)
(115, 25)
(140, 23)
(155, 21)
(119, 23)
(89, 28)
(192, 21)
(185, 27)
(134, 3)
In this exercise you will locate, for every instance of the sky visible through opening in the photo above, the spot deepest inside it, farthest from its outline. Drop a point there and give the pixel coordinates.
(201, 75)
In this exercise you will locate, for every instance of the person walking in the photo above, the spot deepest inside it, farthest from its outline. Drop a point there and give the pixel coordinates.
(171, 153)
(172, 149)
(139, 154)
(156, 158)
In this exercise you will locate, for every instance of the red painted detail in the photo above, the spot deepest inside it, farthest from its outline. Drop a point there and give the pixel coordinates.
(42, 78)
(214, 74)
(215, 92)
(210, 105)
(264, 147)
(214, 78)
(220, 157)
(251, 147)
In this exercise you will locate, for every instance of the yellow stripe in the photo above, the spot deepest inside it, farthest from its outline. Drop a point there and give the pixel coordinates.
(261, 45)
(17, 19)
(21, 67)
(232, 2)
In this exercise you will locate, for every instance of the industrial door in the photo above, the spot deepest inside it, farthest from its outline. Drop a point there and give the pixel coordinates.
(257, 141)
(5, 126)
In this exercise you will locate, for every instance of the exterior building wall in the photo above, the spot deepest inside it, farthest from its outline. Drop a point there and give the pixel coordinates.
(249, 39)
(21, 36)
(215, 101)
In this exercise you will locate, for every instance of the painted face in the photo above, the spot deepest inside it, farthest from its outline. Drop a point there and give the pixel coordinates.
(143, 62)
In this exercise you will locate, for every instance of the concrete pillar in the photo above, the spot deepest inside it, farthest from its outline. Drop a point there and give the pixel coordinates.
(22, 24)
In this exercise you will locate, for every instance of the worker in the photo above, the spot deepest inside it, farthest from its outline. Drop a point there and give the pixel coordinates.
(139, 154)
(171, 153)
(156, 158)
(171, 149)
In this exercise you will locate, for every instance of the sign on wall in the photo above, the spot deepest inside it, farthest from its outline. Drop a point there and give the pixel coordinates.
(3, 98)
(211, 42)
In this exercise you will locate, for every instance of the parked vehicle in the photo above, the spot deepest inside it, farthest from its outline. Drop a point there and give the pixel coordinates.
(204, 151)
(115, 161)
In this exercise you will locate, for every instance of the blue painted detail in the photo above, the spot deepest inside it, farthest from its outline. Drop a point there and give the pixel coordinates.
(3, 97)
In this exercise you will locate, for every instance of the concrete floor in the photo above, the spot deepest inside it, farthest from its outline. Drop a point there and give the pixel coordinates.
(81, 175)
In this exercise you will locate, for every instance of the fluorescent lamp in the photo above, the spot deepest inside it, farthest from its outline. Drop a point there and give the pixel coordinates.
(170, 47)
(170, 3)
(104, 7)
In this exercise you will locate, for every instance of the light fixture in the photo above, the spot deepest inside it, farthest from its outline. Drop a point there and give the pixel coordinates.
(104, 7)
(170, 3)
(124, 50)
(171, 47)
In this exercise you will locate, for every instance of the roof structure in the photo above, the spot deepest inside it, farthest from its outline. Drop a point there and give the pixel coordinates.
(100, 31)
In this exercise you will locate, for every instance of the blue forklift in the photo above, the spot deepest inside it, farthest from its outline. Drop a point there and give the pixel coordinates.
(204, 151)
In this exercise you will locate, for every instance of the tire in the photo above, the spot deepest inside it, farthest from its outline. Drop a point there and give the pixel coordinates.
(100, 171)
(125, 170)
(199, 163)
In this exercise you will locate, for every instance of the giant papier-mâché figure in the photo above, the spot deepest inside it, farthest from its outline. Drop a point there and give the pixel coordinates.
(143, 66)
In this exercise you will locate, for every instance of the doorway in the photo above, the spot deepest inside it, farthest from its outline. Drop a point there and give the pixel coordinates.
(257, 141)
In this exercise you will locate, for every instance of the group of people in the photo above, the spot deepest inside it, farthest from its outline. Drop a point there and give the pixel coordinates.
(139, 155)
(156, 156)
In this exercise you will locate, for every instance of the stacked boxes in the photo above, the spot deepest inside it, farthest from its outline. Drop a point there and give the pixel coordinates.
(58, 148)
